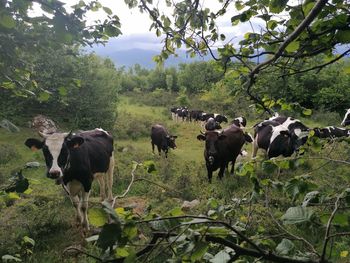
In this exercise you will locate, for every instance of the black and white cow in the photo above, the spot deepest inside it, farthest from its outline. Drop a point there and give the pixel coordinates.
(182, 113)
(173, 111)
(331, 132)
(75, 160)
(162, 139)
(195, 115)
(220, 118)
(346, 120)
(275, 138)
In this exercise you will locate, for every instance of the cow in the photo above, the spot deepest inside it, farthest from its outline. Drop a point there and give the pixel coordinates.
(173, 111)
(205, 116)
(182, 113)
(346, 120)
(195, 115)
(240, 122)
(162, 139)
(74, 160)
(331, 132)
(212, 125)
(220, 118)
(221, 148)
(275, 138)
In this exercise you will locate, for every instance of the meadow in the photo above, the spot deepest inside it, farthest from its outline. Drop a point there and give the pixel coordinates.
(45, 214)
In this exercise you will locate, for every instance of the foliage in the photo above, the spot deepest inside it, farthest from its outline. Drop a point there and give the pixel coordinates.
(51, 27)
(7, 153)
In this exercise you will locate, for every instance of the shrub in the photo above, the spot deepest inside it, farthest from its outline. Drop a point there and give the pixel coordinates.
(7, 153)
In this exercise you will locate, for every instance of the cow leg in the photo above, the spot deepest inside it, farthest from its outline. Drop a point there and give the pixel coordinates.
(233, 167)
(84, 208)
(210, 174)
(102, 184)
(110, 178)
(152, 147)
(159, 150)
(255, 147)
(77, 204)
(75, 188)
(221, 171)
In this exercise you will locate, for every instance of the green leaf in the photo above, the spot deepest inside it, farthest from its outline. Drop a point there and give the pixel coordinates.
(339, 219)
(121, 252)
(92, 238)
(221, 257)
(109, 235)
(28, 240)
(343, 36)
(44, 96)
(199, 250)
(269, 167)
(62, 91)
(277, 6)
(307, 7)
(213, 203)
(285, 247)
(219, 231)
(107, 10)
(150, 167)
(307, 112)
(293, 46)
(176, 212)
(297, 215)
(13, 196)
(9, 258)
(97, 217)
(7, 21)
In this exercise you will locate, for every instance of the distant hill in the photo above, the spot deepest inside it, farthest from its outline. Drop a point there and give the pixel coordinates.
(130, 57)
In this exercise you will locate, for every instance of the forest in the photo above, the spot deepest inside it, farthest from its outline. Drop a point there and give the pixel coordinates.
(291, 208)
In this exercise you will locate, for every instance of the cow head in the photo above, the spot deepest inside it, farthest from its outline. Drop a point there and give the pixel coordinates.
(240, 122)
(171, 141)
(56, 148)
(346, 120)
(211, 139)
(282, 142)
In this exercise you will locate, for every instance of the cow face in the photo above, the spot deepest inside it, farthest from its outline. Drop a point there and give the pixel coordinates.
(240, 122)
(56, 148)
(211, 139)
(171, 141)
(280, 142)
(346, 120)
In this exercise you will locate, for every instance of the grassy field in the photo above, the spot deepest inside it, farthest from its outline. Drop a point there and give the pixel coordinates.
(46, 215)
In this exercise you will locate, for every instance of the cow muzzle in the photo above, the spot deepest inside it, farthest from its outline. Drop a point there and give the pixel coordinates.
(54, 174)
(211, 160)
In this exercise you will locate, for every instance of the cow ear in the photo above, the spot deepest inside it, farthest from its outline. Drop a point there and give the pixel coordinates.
(34, 144)
(222, 136)
(201, 137)
(75, 142)
(174, 136)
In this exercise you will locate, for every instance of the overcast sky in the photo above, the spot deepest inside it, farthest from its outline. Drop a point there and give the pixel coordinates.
(135, 25)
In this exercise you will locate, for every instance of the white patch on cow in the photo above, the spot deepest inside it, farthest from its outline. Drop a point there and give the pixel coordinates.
(276, 131)
(289, 121)
(101, 130)
(54, 143)
(345, 117)
(216, 114)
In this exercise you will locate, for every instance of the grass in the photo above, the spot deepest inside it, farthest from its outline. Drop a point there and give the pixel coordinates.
(46, 214)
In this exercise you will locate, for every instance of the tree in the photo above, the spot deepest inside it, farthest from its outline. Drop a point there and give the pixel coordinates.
(52, 27)
(306, 29)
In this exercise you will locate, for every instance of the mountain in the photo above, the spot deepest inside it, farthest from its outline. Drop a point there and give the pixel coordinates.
(144, 57)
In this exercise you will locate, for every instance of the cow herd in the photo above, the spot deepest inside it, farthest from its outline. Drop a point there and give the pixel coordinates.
(75, 160)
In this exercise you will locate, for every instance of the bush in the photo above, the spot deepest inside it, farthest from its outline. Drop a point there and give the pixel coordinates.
(7, 153)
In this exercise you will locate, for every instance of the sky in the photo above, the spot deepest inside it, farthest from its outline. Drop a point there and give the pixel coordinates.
(135, 25)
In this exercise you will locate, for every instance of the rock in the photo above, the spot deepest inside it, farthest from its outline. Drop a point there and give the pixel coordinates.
(187, 205)
(32, 165)
(43, 124)
(6, 124)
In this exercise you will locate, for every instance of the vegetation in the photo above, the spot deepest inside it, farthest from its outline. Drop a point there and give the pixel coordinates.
(280, 210)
